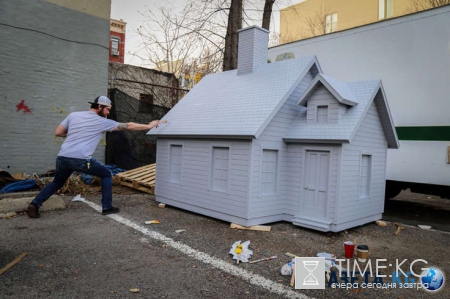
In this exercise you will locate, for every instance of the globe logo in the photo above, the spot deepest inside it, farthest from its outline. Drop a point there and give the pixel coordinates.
(433, 278)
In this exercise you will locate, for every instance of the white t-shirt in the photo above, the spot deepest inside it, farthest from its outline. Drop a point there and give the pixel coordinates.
(84, 131)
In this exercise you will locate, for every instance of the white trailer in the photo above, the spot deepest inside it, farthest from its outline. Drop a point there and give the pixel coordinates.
(411, 55)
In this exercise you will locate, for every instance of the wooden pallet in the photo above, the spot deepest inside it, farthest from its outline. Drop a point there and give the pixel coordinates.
(142, 178)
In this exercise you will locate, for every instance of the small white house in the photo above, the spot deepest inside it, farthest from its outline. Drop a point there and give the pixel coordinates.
(277, 142)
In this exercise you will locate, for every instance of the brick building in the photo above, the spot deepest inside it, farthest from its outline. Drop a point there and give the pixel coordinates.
(117, 30)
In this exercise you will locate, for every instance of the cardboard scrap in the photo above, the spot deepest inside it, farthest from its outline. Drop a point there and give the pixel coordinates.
(152, 222)
(8, 215)
(254, 227)
(380, 223)
(290, 254)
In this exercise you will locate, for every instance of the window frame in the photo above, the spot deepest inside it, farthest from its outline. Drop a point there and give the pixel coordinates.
(385, 9)
(365, 176)
(115, 51)
(327, 107)
(170, 172)
(331, 22)
(145, 103)
(275, 176)
(212, 184)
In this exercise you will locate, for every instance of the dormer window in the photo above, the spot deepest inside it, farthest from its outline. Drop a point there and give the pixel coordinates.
(322, 114)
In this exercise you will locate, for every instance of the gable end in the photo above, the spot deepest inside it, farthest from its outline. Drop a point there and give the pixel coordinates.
(322, 107)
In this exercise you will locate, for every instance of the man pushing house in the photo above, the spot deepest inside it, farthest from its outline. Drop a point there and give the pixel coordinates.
(83, 131)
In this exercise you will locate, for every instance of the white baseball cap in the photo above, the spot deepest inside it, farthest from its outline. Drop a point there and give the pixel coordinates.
(102, 100)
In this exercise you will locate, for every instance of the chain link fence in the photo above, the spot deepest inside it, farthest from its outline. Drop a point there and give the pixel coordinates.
(131, 149)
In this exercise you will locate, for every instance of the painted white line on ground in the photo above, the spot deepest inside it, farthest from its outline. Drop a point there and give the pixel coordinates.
(207, 259)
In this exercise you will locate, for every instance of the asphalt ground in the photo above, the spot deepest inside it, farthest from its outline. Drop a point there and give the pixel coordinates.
(78, 253)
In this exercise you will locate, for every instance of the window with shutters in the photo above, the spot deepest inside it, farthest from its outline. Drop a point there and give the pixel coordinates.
(219, 175)
(175, 163)
(269, 172)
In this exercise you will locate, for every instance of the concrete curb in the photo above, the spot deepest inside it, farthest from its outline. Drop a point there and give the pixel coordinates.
(18, 202)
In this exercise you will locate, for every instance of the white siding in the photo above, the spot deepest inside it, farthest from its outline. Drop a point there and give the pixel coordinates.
(320, 98)
(252, 50)
(194, 191)
(369, 140)
(292, 177)
(263, 208)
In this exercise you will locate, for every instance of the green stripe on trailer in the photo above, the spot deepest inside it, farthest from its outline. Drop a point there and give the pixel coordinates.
(431, 133)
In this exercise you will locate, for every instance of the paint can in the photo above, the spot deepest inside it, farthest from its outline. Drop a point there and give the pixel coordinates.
(362, 252)
(349, 248)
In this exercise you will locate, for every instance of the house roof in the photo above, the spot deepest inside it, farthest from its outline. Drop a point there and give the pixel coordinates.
(359, 96)
(340, 90)
(235, 106)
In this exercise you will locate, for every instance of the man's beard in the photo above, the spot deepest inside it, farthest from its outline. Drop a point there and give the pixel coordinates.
(100, 113)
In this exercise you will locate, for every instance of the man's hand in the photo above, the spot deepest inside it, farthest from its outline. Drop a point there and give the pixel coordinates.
(131, 126)
(154, 124)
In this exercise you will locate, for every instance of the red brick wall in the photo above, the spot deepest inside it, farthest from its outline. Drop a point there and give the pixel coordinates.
(121, 56)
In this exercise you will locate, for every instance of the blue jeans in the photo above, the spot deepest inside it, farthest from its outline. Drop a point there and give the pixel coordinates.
(64, 168)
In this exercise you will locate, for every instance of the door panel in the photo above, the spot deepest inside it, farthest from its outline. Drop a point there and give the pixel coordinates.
(314, 200)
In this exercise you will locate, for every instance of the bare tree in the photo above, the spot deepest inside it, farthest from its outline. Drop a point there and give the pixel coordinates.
(419, 5)
(231, 38)
(268, 5)
(203, 33)
(166, 42)
(316, 23)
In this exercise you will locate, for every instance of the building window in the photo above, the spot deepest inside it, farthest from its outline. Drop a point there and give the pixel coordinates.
(322, 115)
(115, 46)
(175, 163)
(331, 22)
(385, 9)
(269, 172)
(145, 103)
(219, 176)
(365, 176)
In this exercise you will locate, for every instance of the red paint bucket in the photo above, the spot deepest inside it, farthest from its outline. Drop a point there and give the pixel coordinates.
(349, 248)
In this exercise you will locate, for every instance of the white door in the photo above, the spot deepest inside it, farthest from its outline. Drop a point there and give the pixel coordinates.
(315, 184)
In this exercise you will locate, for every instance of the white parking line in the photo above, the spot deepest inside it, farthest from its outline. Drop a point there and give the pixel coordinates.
(205, 258)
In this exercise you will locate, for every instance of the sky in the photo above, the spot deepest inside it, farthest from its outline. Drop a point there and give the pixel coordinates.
(130, 11)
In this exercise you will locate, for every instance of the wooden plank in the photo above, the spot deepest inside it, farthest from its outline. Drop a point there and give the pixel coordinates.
(10, 265)
(140, 170)
(290, 254)
(254, 227)
(140, 188)
(141, 178)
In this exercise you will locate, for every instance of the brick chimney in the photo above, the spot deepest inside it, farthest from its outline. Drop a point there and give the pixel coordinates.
(253, 49)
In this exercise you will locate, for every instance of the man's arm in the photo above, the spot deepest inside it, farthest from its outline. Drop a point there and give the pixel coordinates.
(137, 127)
(60, 131)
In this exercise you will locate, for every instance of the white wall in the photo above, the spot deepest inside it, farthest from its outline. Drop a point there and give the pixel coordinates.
(194, 191)
(54, 59)
(369, 140)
